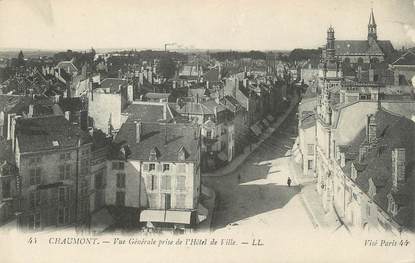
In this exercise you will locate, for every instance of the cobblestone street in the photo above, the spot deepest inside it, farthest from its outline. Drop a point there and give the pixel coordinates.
(261, 199)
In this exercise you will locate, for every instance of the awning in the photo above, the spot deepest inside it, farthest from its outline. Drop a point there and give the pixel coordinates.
(166, 216)
(222, 156)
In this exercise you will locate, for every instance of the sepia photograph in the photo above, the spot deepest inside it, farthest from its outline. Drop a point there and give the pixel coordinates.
(207, 131)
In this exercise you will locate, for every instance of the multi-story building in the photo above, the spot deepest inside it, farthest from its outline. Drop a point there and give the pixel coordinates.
(217, 130)
(9, 183)
(53, 158)
(155, 167)
(363, 51)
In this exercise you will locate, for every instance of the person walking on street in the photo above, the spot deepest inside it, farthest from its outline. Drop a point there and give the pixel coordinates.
(239, 178)
(289, 181)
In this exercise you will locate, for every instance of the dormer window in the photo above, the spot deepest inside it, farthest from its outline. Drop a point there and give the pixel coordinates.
(353, 172)
(153, 154)
(182, 154)
(392, 206)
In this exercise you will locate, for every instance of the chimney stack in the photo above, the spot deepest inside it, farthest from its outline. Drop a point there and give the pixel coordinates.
(31, 110)
(67, 115)
(165, 111)
(371, 128)
(138, 131)
(398, 168)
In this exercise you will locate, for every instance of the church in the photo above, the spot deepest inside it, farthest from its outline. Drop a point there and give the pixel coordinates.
(371, 50)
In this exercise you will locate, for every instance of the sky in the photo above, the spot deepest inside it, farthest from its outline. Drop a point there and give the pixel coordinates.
(203, 24)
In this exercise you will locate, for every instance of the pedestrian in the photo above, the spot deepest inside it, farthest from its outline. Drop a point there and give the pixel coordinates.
(239, 178)
(289, 181)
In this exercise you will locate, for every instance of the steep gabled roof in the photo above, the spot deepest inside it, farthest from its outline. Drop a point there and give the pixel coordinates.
(48, 133)
(167, 138)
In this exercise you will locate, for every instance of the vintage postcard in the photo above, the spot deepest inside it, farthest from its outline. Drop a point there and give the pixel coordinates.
(207, 131)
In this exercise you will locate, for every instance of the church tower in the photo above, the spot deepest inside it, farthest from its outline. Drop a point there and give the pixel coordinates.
(330, 49)
(371, 28)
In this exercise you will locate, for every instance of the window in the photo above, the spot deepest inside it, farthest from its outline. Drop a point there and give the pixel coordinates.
(67, 171)
(181, 183)
(64, 172)
(99, 179)
(152, 167)
(166, 182)
(84, 166)
(34, 221)
(34, 175)
(209, 134)
(6, 188)
(62, 156)
(34, 198)
(368, 210)
(121, 180)
(152, 180)
(34, 160)
(63, 215)
(310, 149)
(63, 194)
(310, 164)
(117, 165)
(120, 198)
(181, 168)
(166, 167)
(180, 201)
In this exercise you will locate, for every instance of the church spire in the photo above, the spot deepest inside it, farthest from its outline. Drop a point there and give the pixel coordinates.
(371, 28)
(372, 18)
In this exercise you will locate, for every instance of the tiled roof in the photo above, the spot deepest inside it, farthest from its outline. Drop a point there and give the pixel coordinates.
(66, 64)
(47, 133)
(167, 139)
(406, 59)
(392, 132)
(154, 95)
(309, 120)
(7, 102)
(73, 104)
(148, 112)
(6, 153)
(41, 106)
(113, 84)
(349, 47)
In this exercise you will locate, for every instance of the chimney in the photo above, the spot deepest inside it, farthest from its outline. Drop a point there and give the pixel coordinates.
(342, 159)
(207, 84)
(215, 111)
(371, 129)
(67, 115)
(245, 83)
(363, 150)
(138, 131)
(174, 84)
(31, 109)
(165, 111)
(371, 75)
(398, 168)
(91, 131)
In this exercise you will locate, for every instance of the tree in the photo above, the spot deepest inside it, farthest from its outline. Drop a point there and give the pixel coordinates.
(167, 67)
(20, 59)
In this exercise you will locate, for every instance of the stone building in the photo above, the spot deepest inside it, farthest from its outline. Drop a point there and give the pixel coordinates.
(363, 51)
(155, 168)
(53, 158)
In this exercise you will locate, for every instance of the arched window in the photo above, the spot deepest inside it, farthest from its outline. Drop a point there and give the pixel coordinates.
(360, 61)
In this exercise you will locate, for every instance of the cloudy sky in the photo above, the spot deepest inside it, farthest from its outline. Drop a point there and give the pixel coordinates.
(216, 24)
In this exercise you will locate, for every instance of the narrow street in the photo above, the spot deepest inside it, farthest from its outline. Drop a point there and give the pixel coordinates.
(261, 200)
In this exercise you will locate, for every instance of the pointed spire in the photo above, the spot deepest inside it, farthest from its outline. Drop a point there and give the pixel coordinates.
(372, 18)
